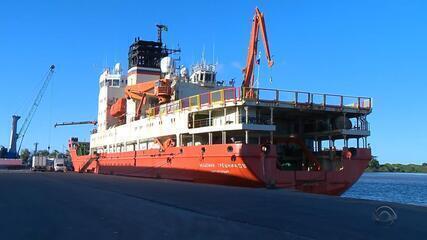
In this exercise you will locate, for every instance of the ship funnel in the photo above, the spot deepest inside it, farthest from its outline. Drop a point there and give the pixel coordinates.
(13, 136)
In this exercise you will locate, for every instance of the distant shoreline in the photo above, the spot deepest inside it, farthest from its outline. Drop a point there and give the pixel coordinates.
(397, 172)
(375, 166)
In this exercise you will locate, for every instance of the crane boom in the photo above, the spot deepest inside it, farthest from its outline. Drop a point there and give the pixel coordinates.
(160, 89)
(23, 130)
(258, 24)
(75, 123)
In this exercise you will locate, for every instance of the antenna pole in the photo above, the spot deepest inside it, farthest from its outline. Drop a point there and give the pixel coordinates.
(160, 29)
(36, 144)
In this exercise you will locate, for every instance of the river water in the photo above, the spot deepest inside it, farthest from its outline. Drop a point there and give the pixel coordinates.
(406, 188)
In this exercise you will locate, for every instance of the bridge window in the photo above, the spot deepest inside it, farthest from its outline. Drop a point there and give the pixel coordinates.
(208, 77)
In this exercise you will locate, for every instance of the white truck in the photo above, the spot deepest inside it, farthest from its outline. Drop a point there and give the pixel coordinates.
(59, 165)
(39, 163)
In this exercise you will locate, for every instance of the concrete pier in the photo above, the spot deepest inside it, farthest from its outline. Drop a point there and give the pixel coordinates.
(86, 206)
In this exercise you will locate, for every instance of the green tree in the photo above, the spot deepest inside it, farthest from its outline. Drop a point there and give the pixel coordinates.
(43, 153)
(374, 165)
(25, 155)
(54, 153)
(387, 168)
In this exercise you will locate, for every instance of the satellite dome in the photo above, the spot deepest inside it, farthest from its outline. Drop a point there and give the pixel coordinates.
(167, 65)
(117, 68)
(184, 72)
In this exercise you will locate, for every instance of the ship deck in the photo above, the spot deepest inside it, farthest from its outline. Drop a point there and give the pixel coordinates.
(309, 102)
(86, 206)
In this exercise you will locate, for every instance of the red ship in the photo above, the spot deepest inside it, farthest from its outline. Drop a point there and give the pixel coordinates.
(159, 121)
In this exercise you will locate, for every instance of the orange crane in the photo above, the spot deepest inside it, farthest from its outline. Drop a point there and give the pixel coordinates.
(139, 92)
(257, 24)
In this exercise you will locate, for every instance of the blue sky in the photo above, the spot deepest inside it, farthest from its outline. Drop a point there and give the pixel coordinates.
(369, 48)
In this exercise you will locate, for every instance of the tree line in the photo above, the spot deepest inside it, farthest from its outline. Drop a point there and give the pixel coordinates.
(375, 166)
(26, 154)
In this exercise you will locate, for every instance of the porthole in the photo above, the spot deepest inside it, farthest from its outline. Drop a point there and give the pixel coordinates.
(230, 149)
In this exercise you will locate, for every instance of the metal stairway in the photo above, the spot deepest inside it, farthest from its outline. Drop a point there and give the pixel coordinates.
(87, 164)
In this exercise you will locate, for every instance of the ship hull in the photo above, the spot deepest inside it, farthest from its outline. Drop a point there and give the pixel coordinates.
(246, 165)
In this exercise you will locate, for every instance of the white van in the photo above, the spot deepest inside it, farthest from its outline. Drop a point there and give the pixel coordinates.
(59, 165)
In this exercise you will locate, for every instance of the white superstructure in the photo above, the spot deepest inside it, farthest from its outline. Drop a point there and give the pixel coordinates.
(111, 136)
(111, 87)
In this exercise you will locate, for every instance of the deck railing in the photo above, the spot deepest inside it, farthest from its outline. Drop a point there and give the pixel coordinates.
(295, 98)
(307, 98)
(206, 122)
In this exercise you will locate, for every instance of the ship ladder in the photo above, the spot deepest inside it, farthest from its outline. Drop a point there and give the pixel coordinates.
(87, 163)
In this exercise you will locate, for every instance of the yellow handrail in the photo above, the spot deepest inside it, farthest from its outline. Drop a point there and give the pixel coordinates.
(217, 98)
(214, 99)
